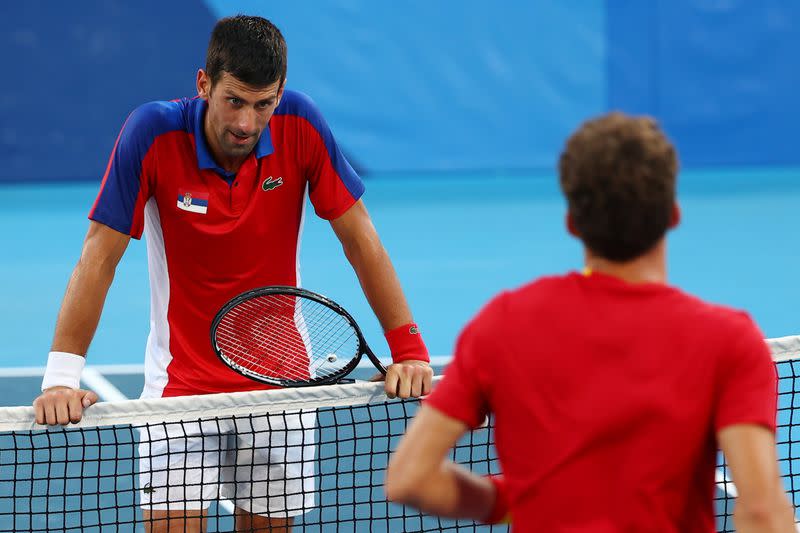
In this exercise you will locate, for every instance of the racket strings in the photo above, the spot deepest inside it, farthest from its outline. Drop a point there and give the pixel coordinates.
(283, 336)
(332, 330)
(276, 332)
(289, 360)
(266, 329)
(246, 347)
(243, 337)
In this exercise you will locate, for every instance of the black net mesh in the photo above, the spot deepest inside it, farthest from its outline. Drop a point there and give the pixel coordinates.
(324, 466)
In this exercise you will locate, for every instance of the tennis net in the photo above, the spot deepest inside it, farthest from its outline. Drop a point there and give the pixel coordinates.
(786, 354)
(332, 443)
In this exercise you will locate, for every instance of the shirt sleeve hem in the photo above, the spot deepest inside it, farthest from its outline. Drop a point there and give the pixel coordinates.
(115, 227)
(471, 420)
(340, 210)
(758, 421)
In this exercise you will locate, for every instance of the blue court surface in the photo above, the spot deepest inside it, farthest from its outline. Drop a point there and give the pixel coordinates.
(455, 241)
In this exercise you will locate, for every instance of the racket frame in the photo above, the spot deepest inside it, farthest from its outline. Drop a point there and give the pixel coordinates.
(363, 347)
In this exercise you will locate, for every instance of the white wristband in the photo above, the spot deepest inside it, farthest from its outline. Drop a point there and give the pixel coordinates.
(64, 370)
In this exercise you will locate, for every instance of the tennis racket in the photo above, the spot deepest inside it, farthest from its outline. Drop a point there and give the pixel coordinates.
(289, 337)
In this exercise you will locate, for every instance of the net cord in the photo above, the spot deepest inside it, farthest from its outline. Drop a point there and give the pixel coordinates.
(189, 408)
(208, 406)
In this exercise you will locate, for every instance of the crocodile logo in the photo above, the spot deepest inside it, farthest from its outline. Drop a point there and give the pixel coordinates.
(271, 183)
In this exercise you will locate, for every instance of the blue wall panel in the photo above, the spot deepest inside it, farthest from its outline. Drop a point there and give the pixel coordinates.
(632, 59)
(721, 76)
(74, 70)
(446, 85)
(418, 86)
(730, 79)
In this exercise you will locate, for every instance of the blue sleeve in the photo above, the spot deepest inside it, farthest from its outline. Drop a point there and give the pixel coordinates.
(334, 184)
(126, 184)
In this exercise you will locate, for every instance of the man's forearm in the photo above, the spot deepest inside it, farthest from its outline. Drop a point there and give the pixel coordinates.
(372, 265)
(453, 492)
(379, 282)
(82, 306)
(777, 518)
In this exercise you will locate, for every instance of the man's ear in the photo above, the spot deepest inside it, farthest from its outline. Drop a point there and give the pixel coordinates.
(280, 93)
(675, 218)
(571, 226)
(203, 84)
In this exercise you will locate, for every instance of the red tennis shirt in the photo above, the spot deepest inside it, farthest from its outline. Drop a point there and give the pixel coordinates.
(607, 398)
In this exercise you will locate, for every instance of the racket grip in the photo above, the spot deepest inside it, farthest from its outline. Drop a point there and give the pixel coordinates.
(406, 344)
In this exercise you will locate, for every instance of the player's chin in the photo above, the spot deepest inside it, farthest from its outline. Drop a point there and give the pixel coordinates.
(238, 149)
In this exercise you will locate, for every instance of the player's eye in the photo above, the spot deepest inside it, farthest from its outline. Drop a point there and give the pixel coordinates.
(234, 101)
(264, 104)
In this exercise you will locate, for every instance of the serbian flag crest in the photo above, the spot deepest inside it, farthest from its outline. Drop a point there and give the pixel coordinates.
(196, 202)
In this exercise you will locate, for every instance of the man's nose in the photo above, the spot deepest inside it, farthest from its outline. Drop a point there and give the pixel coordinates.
(246, 121)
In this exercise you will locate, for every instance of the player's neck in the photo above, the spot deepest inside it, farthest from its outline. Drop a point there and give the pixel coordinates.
(650, 267)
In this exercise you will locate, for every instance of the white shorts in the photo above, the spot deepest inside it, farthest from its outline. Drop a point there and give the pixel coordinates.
(264, 464)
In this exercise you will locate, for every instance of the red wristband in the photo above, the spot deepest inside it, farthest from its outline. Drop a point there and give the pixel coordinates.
(500, 513)
(406, 344)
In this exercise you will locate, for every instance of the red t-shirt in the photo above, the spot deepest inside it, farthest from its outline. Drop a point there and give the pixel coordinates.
(607, 398)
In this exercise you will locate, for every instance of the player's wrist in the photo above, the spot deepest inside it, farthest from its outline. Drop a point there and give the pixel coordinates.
(500, 512)
(63, 370)
(406, 344)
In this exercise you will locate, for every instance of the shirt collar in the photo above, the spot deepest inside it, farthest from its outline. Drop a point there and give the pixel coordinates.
(204, 158)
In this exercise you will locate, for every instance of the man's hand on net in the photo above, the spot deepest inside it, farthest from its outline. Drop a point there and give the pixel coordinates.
(408, 379)
(62, 405)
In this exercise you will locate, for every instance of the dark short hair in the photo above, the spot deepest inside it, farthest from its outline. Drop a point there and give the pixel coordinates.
(251, 49)
(618, 173)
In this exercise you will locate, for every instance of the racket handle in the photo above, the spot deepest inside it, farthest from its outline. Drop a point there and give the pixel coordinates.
(375, 361)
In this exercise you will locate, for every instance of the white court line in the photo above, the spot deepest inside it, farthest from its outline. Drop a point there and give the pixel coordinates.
(112, 370)
(38, 371)
(98, 383)
(22, 372)
(782, 348)
(436, 360)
